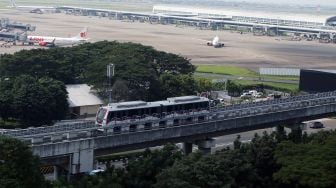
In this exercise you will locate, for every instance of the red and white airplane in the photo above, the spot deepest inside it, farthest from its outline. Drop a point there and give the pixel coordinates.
(50, 41)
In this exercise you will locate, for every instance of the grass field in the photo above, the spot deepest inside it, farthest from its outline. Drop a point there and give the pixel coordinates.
(217, 70)
(238, 71)
(227, 70)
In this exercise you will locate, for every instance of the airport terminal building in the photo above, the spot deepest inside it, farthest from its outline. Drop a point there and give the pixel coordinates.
(271, 18)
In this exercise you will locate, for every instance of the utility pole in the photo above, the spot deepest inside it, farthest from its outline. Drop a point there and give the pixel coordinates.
(110, 74)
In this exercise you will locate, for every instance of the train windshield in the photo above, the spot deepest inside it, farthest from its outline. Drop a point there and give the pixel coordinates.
(100, 115)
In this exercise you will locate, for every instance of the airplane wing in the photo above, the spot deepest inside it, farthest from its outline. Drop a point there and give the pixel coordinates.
(208, 42)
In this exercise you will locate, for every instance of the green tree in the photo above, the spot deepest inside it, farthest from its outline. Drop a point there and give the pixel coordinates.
(6, 98)
(139, 66)
(204, 84)
(233, 88)
(177, 85)
(261, 153)
(225, 169)
(307, 165)
(58, 105)
(33, 102)
(142, 173)
(18, 166)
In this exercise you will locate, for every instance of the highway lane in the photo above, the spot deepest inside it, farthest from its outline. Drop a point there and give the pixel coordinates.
(227, 140)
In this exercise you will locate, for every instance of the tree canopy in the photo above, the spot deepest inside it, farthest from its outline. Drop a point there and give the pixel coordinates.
(33, 101)
(311, 164)
(18, 166)
(139, 67)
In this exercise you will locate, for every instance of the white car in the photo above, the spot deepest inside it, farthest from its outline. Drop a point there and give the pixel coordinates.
(97, 171)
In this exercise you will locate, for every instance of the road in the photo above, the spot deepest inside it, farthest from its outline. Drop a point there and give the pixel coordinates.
(227, 141)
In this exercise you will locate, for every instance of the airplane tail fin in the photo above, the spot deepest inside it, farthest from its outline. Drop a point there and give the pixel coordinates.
(12, 3)
(82, 34)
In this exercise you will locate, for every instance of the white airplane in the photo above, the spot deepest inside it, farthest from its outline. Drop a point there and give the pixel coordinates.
(215, 42)
(50, 41)
(31, 8)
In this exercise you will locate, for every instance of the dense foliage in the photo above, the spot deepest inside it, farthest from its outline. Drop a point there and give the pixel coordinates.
(138, 67)
(24, 97)
(18, 167)
(268, 161)
(271, 160)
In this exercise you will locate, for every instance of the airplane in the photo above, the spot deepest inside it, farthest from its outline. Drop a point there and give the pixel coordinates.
(50, 41)
(215, 42)
(32, 9)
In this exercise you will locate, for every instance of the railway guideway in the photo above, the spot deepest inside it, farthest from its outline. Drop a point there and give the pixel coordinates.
(217, 122)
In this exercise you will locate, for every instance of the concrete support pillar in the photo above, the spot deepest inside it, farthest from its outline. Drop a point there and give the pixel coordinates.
(56, 172)
(82, 161)
(280, 132)
(187, 148)
(69, 168)
(296, 132)
(279, 129)
(205, 145)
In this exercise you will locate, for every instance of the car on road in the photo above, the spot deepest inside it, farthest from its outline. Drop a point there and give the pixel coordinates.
(97, 171)
(316, 125)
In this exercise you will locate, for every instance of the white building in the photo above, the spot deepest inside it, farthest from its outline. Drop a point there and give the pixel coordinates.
(82, 101)
(273, 18)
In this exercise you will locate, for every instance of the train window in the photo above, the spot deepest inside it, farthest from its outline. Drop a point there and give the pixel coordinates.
(162, 124)
(132, 113)
(170, 108)
(188, 106)
(154, 110)
(133, 127)
(163, 114)
(148, 126)
(117, 129)
(110, 116)
(201, 118)
(189, 120)
(176, 122)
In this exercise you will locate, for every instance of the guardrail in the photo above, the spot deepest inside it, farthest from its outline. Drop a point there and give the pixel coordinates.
(232, 111)
(50, 129)
(238, 111)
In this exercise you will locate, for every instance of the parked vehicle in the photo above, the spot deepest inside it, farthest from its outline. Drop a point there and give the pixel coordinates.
(316, 125)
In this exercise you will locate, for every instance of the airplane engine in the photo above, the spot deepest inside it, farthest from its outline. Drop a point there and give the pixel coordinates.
(42, 44)
(209, 43)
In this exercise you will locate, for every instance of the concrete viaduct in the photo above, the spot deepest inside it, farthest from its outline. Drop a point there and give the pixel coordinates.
(74, 147)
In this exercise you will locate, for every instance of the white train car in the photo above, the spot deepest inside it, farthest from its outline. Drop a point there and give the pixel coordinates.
(129, 113)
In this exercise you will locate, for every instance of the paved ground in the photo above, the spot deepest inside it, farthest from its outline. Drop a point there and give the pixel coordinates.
(242, 50)
(225, 141)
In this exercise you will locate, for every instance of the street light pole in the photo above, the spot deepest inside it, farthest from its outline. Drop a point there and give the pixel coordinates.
(110, 74)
